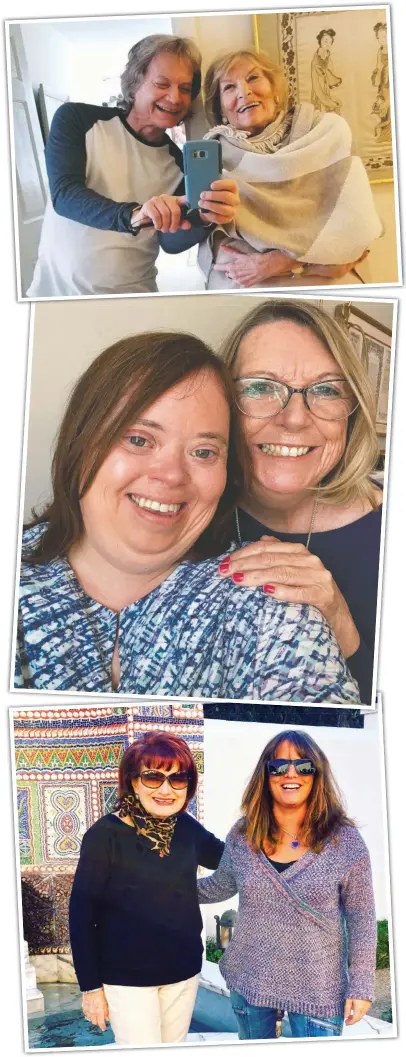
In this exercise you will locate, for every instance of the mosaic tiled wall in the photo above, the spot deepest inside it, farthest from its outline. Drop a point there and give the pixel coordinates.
(66, 763)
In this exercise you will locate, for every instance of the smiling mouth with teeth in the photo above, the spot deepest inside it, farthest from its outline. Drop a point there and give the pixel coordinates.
(155, 506)
(248, 106)
(283, 450)
(290, 785)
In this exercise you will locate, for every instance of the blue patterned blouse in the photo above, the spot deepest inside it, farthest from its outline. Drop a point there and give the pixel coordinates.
(195, 635)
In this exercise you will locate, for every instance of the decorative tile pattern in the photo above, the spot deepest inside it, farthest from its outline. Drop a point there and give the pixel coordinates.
(67, 768)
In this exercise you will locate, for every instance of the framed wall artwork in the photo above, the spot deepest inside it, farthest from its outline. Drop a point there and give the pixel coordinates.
(372, 342)
(339, 60)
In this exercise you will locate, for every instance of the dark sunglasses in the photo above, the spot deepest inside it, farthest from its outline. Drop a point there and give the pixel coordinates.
(276, 768)
(154, 779)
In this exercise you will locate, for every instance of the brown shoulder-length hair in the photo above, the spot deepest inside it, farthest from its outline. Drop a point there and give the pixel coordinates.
(325, 811)
(158, 751)
(220, 67)
(117, 387)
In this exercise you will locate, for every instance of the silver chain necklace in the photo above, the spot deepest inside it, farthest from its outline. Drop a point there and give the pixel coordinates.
(311, 527)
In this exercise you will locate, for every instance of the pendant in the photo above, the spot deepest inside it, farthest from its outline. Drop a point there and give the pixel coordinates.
(295, 844)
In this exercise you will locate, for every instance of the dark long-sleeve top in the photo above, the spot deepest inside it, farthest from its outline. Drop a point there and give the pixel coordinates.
(99, 171)
(305, 939)
(351, 554)
(134, 917)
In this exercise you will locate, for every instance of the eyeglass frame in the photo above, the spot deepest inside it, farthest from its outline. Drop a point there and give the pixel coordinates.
(303, 759)
(291, 390)
(165, 777)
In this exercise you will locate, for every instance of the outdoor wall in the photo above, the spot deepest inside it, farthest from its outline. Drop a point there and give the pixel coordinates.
(66, 769)
(69, 335)
(231, 752)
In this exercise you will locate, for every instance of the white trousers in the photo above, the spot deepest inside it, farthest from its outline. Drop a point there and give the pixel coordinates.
(143, 1015)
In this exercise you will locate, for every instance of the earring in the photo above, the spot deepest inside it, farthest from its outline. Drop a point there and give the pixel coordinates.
(224, 120)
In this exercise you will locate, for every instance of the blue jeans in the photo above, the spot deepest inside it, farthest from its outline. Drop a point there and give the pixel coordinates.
(259, 1022)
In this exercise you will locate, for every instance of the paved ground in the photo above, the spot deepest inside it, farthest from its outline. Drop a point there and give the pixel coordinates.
(383, 999)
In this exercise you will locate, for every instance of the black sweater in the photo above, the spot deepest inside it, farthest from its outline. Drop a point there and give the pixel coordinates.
(134, 918)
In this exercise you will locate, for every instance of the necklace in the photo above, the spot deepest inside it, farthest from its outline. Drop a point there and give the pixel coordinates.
(295, 843)
(311, 526)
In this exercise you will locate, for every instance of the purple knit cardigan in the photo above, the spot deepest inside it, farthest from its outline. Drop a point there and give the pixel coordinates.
(305, 940)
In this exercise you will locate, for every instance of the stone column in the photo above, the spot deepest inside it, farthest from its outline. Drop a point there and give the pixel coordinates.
(34, 997)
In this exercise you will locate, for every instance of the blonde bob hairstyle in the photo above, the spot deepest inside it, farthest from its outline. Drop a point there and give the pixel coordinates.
(223, 63)
(325, 810)
(350, 479)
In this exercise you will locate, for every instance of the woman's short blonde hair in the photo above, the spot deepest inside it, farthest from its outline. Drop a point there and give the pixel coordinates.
(223, 63)
(350, 479)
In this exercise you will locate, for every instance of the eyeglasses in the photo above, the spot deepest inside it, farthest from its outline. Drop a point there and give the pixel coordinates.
(276, 768)
(154, 779)
(331, 399)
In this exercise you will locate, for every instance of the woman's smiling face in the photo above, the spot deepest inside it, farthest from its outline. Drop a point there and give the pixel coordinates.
(164, 801)
(294, 450)
(247, 97)
(159, 486)
(291, 789)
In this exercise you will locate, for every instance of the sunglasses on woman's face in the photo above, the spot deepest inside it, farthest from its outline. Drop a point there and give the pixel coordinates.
(276, 768)
(154, 779)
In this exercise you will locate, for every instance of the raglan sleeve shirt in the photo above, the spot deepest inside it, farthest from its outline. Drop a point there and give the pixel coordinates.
(66, 161)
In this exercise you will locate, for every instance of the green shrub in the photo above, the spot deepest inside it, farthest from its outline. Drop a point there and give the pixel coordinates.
(382, 946)
(212, 954)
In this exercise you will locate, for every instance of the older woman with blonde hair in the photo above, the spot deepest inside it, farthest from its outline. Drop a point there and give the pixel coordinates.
(308, 415)
(306, 205)
(305, 940)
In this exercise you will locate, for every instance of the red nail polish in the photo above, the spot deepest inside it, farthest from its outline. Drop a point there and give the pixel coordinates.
(269, 589)
(238, 578)
(224, 566)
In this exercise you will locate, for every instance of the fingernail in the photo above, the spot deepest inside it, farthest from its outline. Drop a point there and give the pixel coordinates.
(225, 565)
(238, 578)
(269, 589)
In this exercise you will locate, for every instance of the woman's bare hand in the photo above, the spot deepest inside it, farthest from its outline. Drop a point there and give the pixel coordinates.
(355, 1009)
(95, 1008)
(164, 212)
(290, 573)
(220, 204)
(250, 269)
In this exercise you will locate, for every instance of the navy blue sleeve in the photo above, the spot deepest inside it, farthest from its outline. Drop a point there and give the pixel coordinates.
(183, 240)
(65, 156)
(84, 906)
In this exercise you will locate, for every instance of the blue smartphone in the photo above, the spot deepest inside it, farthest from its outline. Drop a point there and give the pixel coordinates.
(202, 164)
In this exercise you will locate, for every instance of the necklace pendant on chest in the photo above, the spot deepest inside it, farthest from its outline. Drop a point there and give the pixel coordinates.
(295, 844)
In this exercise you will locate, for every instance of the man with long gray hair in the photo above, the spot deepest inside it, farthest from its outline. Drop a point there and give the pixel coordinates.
(114, 173)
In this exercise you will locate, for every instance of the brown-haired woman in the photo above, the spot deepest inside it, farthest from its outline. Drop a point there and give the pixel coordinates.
(305, 940)
(306, 206)
(112, 593)
(135, 924)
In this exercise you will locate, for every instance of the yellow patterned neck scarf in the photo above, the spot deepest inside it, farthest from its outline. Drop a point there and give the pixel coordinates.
(157, 831)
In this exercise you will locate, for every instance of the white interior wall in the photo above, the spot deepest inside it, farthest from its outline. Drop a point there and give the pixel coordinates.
(48, 56)
(68, 335)
(231, 753)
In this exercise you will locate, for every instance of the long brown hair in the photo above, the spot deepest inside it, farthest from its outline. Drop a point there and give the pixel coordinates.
(117, 387)
(325, 811)
(157, 750)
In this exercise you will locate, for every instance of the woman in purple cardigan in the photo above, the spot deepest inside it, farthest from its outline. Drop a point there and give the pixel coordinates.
(305, 940)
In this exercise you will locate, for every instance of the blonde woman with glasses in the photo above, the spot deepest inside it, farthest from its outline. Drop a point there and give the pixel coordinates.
(312, 512)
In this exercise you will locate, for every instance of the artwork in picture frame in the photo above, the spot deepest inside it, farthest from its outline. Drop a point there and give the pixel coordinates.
(339, 60)
(372, 341)
(49, 101)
